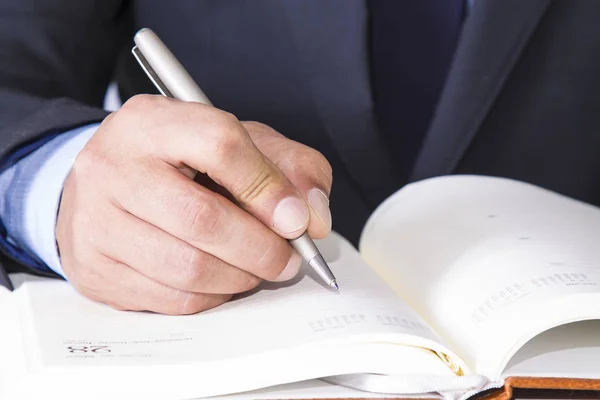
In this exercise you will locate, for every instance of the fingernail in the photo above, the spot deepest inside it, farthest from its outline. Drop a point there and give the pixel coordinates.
(320, 203)
(290, 215)
(291, 269)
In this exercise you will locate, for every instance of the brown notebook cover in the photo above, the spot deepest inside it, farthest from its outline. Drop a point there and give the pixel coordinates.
(567, 388)
(527, 387)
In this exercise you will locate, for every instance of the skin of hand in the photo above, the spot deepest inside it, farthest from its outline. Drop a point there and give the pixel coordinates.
(173, 207)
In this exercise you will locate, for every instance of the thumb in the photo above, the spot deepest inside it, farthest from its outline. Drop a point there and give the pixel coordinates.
(318, 201)
(306, 168)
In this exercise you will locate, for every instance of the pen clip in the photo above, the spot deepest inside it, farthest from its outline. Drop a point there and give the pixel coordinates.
(162, 88)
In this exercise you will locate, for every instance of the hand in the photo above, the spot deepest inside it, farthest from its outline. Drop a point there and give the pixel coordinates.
(135, 230)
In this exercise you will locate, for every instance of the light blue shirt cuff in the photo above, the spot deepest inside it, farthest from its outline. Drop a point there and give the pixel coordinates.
(31, 191)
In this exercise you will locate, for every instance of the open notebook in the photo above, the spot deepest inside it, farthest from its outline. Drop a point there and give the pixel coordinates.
(461, 283)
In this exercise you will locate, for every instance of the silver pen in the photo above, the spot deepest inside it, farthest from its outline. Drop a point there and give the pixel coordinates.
(172, 80)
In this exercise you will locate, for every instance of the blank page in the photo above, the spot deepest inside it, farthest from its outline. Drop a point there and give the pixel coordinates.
(568, 351)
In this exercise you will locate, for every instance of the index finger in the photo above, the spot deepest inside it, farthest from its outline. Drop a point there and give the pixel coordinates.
(216, 143)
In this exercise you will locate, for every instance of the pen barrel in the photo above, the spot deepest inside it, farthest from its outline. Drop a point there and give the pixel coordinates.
(319, 264)
(309, 252)
(172, 74)
(305, 246)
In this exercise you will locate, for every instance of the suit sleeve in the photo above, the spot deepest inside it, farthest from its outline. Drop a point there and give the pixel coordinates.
(56, 60)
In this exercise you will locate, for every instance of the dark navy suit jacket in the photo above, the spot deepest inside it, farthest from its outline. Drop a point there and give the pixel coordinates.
(520, 100)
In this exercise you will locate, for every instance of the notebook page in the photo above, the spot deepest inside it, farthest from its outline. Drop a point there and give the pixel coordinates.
(13, 366)
(568, 351)
(314, 389)
(489, 262)
(324, 333)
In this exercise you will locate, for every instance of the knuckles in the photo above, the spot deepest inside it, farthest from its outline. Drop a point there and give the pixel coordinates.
(225, 119)
(249, 283)
(318, 160)
(226, 138)
(261, 129)
(98, 164)
(198, 270)
(191, 303)
(142, 113)
(310, 156)
(194, 269)
(88, 162)
(136, 110)
(311, 162)
(226, 144)
(187, 304)
(273, 259)
(217, 133)
(84, 278)
(143, 103)
(200, 214)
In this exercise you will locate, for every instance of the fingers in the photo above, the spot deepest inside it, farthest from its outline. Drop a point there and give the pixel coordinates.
(214, 142)
(168, 260)
(137, 232)
(306, 168)
(205, 220)
(123, 288)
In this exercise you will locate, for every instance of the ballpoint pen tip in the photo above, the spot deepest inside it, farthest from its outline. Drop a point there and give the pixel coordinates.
(334, 285)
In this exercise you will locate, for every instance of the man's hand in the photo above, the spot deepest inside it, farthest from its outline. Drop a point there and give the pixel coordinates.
(136, 231)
